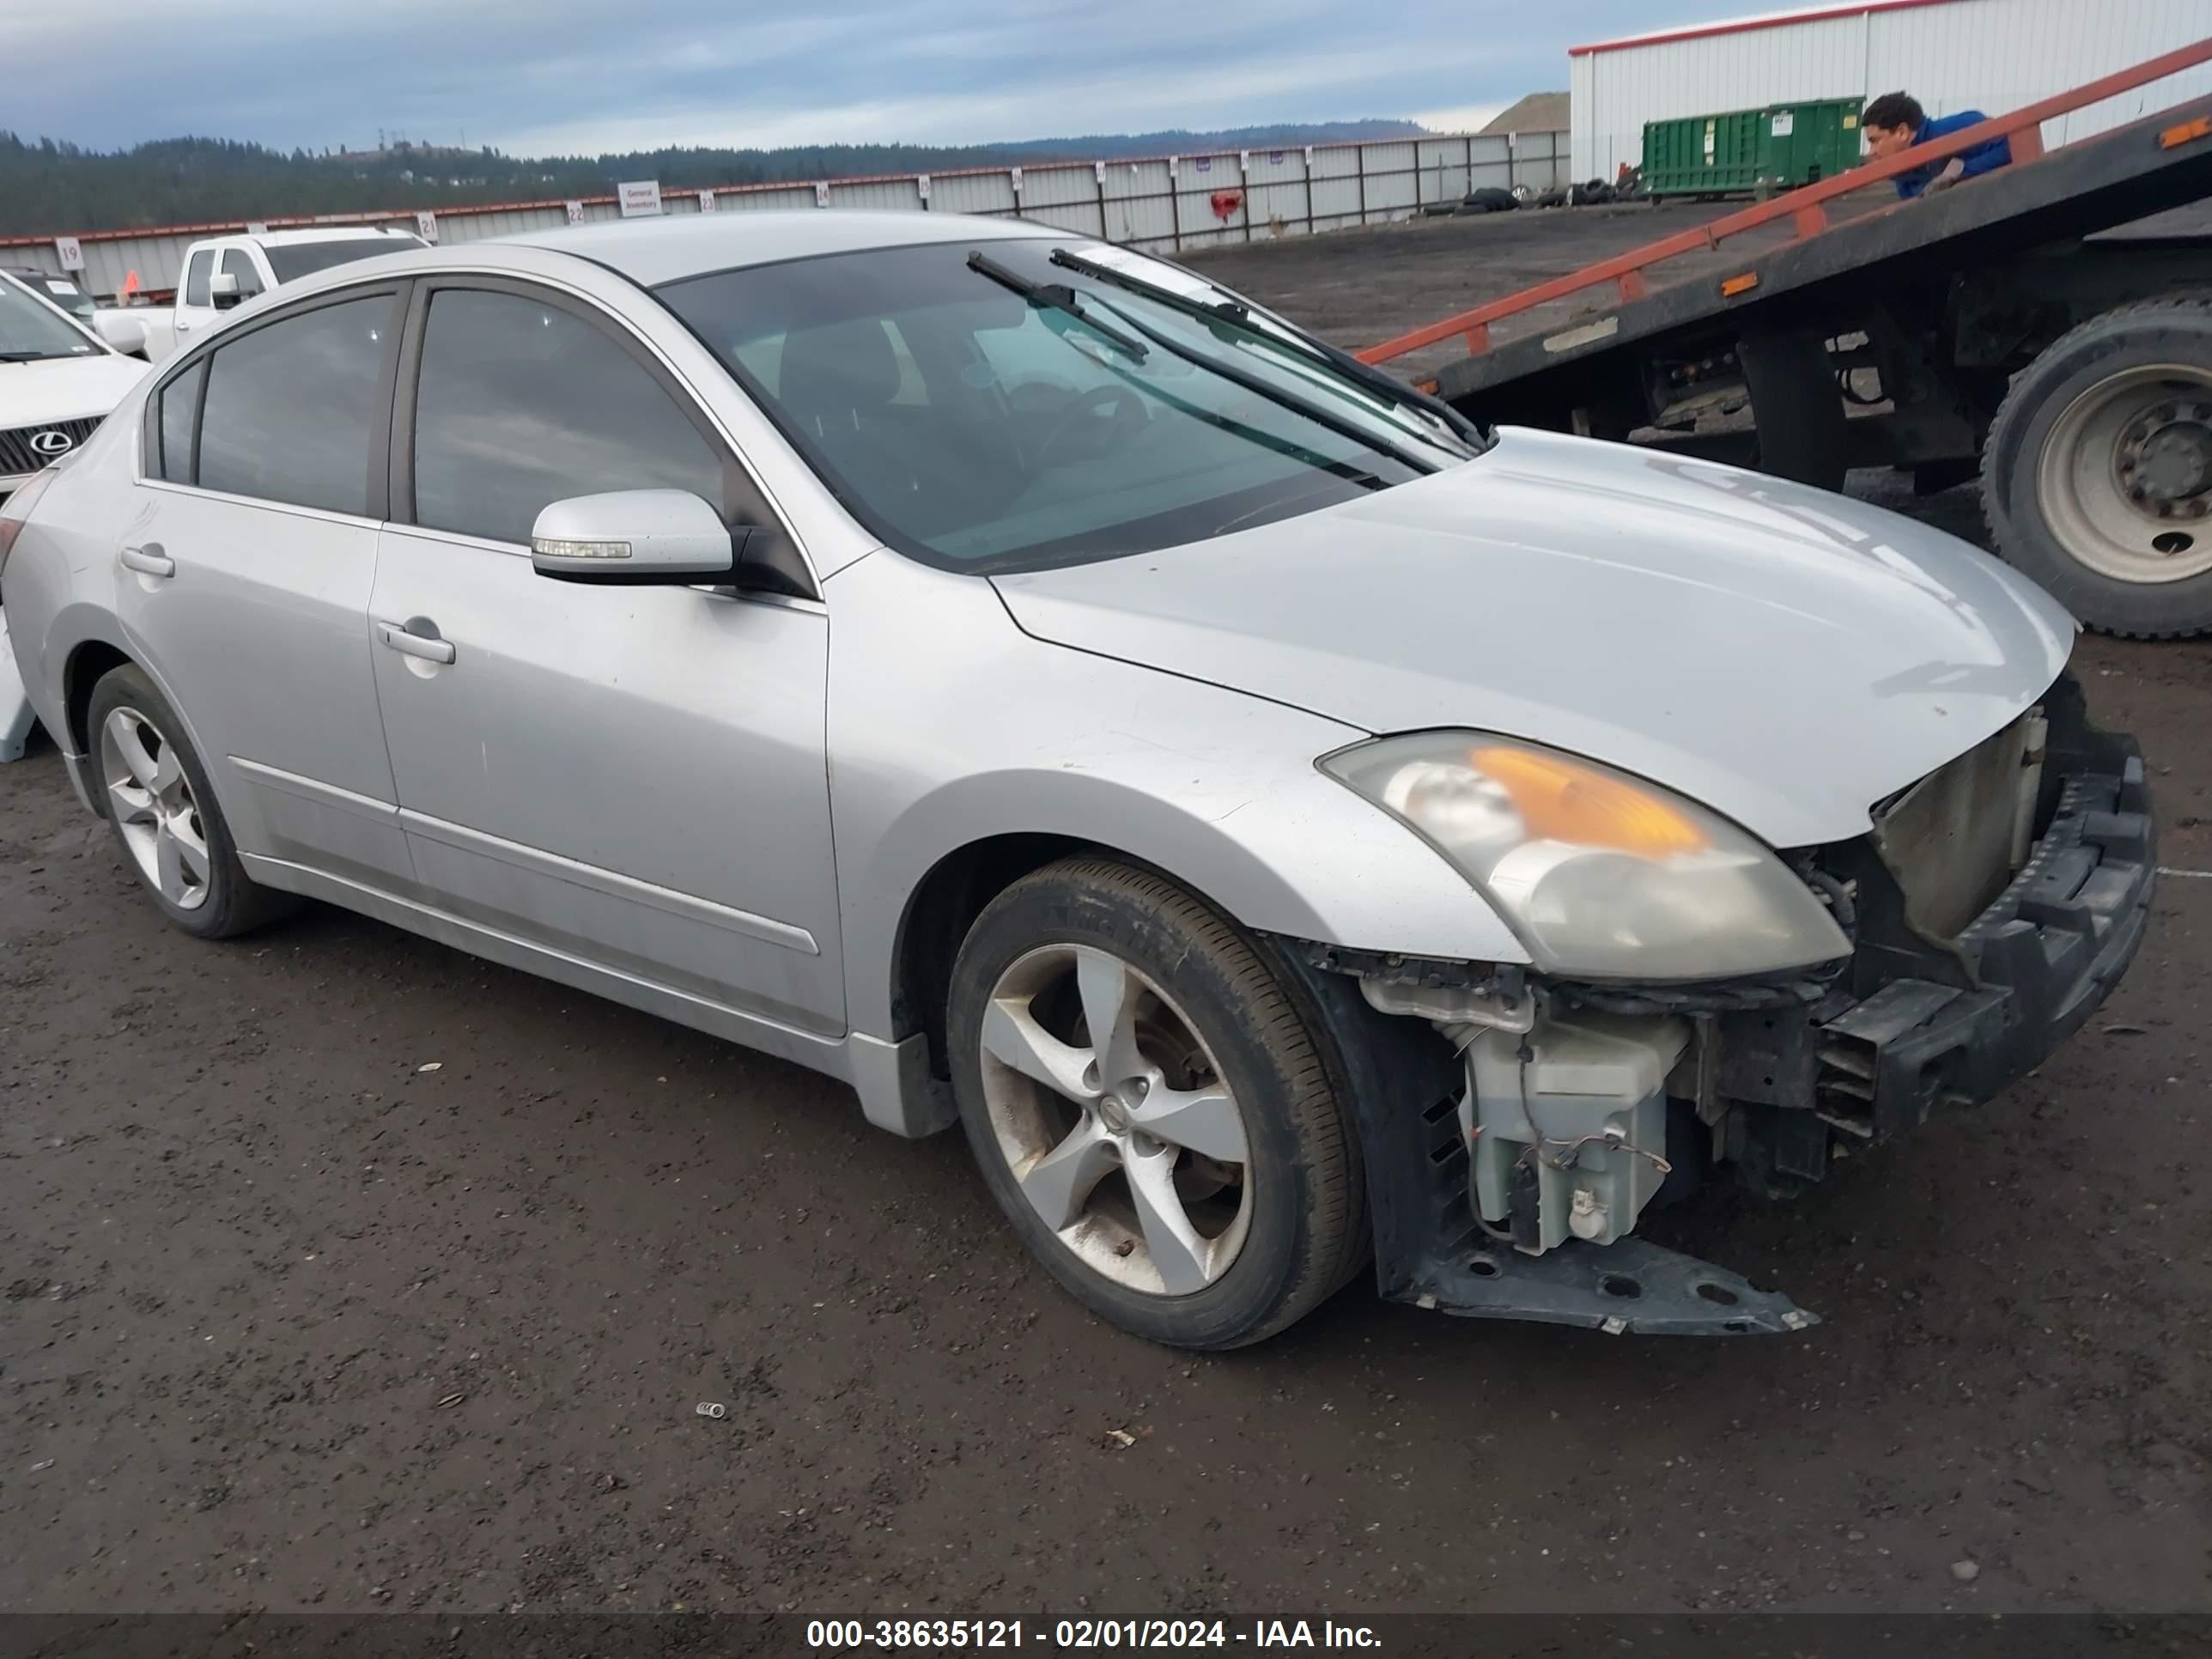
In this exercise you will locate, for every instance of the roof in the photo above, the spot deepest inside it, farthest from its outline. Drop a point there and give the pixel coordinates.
(651, 251)
(1539, 111)
(315, 234)
(1764, 20)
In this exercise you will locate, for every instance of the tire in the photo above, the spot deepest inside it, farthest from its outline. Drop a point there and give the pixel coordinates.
(174, 830)
(2064, 453)
(1300, 1230)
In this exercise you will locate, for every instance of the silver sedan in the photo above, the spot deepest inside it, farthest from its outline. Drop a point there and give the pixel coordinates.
(1288, 827)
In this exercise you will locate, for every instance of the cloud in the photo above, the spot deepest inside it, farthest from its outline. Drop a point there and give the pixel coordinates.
(540, 76)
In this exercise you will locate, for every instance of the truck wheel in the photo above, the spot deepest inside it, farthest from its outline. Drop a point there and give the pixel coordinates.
(2097, 477)
(1150, 1109)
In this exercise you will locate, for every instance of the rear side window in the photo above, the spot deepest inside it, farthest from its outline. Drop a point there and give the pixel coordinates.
(180, 403)
(237, 262)
(290, 407)
(520, 404)
(196, 276)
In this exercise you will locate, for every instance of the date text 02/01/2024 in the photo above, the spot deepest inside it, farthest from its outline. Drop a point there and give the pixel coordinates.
(1084, 1633)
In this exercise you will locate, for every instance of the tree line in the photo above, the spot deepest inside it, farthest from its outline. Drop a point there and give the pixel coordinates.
(49, 185)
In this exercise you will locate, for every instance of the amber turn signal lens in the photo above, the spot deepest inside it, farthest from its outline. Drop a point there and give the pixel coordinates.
(1559, 800)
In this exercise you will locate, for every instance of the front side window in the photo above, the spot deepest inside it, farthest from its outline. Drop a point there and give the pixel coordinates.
(291, 405)
(196, 277)
(520, 404)
(986, 428)
(237, 262)
(180, 407)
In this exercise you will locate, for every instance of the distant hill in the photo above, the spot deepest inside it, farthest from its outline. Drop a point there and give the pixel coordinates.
(48, 185)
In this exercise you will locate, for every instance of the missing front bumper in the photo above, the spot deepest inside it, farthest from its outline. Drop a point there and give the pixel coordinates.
(1781, 1075)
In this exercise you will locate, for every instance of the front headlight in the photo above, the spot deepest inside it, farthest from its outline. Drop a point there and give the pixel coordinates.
(1602, 875)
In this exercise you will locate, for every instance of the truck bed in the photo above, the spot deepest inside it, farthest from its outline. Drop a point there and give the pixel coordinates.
(1873, 242)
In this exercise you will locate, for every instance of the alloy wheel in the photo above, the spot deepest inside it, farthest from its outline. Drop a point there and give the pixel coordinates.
(1115, 1121)
(150, 800)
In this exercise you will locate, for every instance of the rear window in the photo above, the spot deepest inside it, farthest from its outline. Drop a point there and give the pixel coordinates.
(299, 259)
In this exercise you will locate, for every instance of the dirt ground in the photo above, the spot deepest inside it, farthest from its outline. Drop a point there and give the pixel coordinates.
(292, 1321)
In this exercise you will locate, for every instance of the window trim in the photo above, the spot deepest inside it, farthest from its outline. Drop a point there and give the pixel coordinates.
(745, 499)
(376, 462)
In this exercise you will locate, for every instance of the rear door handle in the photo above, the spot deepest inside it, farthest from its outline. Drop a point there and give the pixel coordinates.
(149, 561)
(415, 645)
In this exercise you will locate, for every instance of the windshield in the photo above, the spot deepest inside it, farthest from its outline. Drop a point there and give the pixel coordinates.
(1011, 414)
(31, 330)
(291, 261)
(59, 290)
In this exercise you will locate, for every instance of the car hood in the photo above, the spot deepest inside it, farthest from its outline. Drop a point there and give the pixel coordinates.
(1787, 657)
(65, 388)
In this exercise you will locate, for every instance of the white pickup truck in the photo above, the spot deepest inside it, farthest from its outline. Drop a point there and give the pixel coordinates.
(226, 271)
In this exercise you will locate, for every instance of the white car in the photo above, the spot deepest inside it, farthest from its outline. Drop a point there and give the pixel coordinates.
(57, 381)
(224, 272)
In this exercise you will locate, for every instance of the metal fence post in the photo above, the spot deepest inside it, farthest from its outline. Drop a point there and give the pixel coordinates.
(1360, 154)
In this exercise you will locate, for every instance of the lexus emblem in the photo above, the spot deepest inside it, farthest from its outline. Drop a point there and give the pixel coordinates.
(50, 444)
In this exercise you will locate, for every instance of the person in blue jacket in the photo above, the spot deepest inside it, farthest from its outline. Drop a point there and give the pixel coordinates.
(1896, 122)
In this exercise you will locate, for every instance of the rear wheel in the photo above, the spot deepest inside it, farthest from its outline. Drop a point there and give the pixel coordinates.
(1150, 1109)
(156, 795)
(2097, 479)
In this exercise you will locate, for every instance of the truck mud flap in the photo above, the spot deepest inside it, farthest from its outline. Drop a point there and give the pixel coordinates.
(1631, 1286)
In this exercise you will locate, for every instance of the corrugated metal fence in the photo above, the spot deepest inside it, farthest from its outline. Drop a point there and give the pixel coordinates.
(1163, 204)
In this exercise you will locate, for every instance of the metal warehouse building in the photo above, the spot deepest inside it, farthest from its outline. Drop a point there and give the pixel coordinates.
(1990, 55)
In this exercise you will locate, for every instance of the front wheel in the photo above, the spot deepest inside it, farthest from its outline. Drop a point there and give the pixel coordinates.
(2097, 477)
(1150, 1109)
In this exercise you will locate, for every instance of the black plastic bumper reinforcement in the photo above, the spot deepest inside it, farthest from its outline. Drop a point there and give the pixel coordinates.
(2039, 960)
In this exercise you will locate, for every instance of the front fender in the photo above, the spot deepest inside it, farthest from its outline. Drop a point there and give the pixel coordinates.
(964, 728)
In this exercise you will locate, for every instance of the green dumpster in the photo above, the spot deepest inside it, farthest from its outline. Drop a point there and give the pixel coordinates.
(1751, 152)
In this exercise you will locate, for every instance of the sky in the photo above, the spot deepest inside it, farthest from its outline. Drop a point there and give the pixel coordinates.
(538, 77)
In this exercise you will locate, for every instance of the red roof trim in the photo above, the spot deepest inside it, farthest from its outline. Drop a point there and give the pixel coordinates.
(1745, 25)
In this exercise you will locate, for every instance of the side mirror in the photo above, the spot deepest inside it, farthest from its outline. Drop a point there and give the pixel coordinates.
(222, 290)
(634, 537)
(126, 334)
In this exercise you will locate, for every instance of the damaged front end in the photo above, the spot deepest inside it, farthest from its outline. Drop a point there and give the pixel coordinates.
(1990, 910)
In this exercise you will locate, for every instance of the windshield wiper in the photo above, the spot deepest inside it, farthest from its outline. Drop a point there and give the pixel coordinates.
(1054, 296)
(29, 356)
(1230, 310)
(1343, 425)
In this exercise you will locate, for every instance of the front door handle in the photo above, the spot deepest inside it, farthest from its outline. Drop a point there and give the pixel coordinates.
(411, 644)
(149, 561)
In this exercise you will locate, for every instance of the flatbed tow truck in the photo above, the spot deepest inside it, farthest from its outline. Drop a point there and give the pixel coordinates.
(2026, 327)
